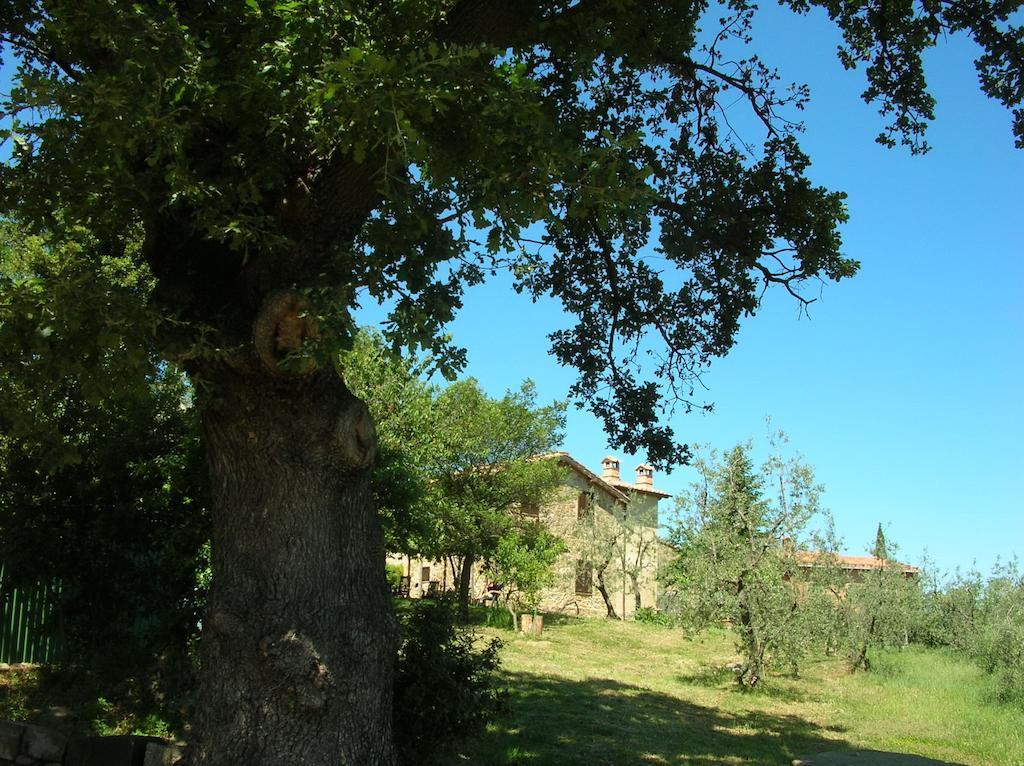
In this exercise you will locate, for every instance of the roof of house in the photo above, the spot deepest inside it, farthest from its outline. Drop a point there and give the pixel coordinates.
(568, 460)
(621, 484)
(853, 563)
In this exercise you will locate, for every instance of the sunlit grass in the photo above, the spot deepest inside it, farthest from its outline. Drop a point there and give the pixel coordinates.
(601, 692)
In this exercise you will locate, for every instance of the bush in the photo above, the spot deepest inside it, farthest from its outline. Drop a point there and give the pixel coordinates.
(999, 645)
(121, 525)
(395, 572)
(498, 618)
(651, 616)
(445, 688)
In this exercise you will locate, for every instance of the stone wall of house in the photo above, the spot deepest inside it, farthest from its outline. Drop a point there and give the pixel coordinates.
(415, 567)
(561, 517)
(30, 745)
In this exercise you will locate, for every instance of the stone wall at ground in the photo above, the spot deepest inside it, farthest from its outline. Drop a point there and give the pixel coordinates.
(23, 744)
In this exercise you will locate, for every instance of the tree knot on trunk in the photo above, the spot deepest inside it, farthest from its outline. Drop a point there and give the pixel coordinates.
(355, 437)
(302, 672)
(284, 321)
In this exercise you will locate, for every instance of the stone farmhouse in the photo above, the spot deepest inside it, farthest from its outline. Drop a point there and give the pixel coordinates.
(599, 517)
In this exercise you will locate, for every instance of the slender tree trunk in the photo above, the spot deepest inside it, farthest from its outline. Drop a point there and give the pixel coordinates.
(637, 604)
(465, 575)
(299, 637)
(513, 614)
(753, 658)
(603, 590)
(860, 658)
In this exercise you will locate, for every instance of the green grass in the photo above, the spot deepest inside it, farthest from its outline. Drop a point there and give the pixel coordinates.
(596, 692)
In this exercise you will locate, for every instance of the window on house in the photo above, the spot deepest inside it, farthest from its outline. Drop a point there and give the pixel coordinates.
(582, 505)
(584, 578)
(531, 510)
(425, 575)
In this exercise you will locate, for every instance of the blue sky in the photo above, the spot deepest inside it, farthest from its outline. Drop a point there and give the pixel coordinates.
(904, 387)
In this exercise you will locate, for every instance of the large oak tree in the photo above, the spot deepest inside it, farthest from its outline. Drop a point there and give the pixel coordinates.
(274, 163)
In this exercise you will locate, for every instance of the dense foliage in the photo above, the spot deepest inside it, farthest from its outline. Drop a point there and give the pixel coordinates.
(456, 466)
(400, 150)
(105, 494)
(446, 688)
(982, 619)
(266, 166)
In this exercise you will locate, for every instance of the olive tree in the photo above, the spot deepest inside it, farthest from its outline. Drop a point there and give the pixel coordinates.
(737, 541)
(274, 164)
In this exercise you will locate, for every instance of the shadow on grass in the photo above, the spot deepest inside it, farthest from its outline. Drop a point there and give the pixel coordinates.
(600, 722)
(710, 676)
(724, 678)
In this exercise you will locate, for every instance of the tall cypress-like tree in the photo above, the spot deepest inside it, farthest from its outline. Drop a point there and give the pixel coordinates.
(274, 163)
(879, 550)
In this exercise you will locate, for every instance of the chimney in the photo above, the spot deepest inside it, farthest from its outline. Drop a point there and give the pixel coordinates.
(645, 475)
(610, 468)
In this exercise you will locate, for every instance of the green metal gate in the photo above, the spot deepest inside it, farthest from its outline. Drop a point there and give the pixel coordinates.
(24, 613)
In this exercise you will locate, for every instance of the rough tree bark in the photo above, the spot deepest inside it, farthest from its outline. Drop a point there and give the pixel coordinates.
(299, 638)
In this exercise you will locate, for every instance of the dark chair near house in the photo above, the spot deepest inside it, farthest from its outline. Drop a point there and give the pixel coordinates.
(491, 595)
(402, 591)
(433, 590)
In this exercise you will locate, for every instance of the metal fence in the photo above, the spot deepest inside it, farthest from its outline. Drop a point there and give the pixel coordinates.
(24, 613)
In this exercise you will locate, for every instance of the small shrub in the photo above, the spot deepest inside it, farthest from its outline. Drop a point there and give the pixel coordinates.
(650, 616)
(498, 618)
(394, 574)
(445, 686)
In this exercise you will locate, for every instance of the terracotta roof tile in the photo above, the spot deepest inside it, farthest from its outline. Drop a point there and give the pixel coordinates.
(858, 563)
(621, 484)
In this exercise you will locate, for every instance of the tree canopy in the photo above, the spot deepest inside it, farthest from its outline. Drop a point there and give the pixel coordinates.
(399, 151)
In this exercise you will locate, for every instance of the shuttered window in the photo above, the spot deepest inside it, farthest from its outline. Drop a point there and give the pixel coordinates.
(582, 505)
(584, 578)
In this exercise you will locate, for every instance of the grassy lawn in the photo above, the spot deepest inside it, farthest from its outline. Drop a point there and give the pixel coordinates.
(596, 692)
(604, 693)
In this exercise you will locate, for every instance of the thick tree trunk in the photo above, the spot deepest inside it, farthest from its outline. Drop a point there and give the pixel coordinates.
(465, 576)
(299, 638)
